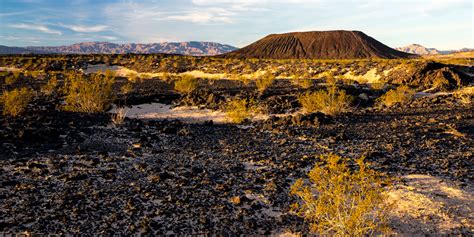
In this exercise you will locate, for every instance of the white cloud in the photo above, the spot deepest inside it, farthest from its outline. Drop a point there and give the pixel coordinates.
(86, 29)
(209, 15)
(108, 37)
(36, 27)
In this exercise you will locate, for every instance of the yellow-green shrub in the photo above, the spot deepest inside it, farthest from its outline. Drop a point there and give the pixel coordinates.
(186, 84)
(401, 94)
(238, 110)
(338, 201)
(88, 94)
(264, 81)
(15, 101)
(331, 101)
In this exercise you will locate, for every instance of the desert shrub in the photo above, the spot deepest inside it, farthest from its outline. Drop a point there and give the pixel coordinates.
(238, 110)
(338, 201)
(88, 94)
(264, 81)
(50, 87)
(331, 101)
(186, 84)
(401, 94)
(15, 101)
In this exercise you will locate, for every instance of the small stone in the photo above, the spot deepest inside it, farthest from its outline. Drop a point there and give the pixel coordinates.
(235, 200)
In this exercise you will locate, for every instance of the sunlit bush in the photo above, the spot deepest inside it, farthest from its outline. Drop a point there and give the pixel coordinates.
(339, 201)
(264, 81)
(88, 94)
(15, 101)
(186, 84)
(401, 94)
(238, 110)
(331, 101)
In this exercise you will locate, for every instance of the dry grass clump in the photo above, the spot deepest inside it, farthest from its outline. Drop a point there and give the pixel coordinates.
(238, 110)
(88, 94)
(401, 94)
(339, 201)
(119, 116)
(264, 81)
(15, 101)
(186, 84)
(464, 95)
(331, 101)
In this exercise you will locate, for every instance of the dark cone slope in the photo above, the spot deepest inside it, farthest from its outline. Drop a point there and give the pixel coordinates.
(318, 45)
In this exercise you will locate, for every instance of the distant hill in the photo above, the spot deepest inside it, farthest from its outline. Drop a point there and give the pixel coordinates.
(418, 49)
(422, 50)
(318, 45)
(186, 48)
(16, 50)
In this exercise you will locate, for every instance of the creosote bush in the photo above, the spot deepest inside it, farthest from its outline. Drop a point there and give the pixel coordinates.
(264, 81)
(331, 101)
(186, 84)
(238, 110)
(339, 201)
(401, 94)
(15, 101)
(89, 94)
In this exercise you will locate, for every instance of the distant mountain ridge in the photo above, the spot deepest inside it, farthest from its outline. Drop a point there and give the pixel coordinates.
(337, 44)
(422, 50)
(195, 48)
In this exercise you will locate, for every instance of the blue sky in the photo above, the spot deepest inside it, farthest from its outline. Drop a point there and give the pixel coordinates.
(443, 24)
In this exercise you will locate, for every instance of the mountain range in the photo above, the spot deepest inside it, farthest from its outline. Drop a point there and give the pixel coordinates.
(194, 48)
(422, 50)
(338, 44)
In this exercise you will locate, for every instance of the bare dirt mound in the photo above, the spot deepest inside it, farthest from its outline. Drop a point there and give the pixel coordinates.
(318, 45)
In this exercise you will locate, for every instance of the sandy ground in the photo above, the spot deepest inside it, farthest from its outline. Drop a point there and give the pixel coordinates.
(184, 113)
(426, 204)
(187, 114)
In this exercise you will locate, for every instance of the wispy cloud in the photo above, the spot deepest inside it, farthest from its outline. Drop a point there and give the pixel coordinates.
(86, 29)
(5, 14)
(210, 15)
(36, 27)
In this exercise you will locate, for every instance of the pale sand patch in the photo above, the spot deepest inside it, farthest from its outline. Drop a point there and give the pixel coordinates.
(125, 72)
(201, 74)
(369, 77)
(160, 111)
(425, 204)
(189, 114)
